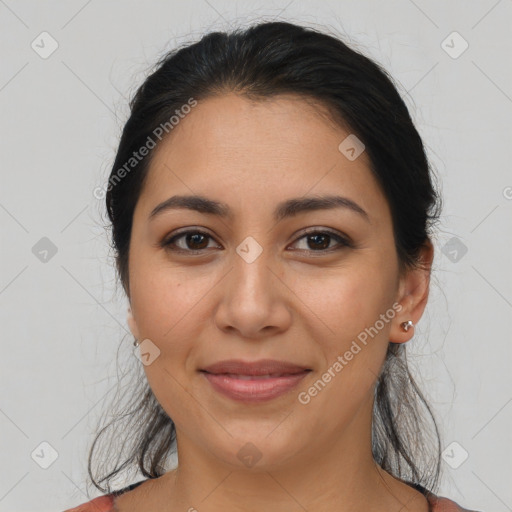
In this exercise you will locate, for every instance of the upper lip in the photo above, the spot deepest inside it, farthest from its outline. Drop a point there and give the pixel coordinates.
(261, 367)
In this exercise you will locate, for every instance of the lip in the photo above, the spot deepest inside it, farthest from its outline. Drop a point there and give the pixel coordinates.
(253, 382)
(261, 367)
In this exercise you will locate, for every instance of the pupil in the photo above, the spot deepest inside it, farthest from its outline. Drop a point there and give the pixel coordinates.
(316, 237)
(195, 236)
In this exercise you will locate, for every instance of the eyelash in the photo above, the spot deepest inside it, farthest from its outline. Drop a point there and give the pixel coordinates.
(169, 242)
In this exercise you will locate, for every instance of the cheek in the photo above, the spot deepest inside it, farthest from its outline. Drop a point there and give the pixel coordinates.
(163, 297)
(352, 352)
(344, 317)
(169, 307)
(341, 304)
(165, 315)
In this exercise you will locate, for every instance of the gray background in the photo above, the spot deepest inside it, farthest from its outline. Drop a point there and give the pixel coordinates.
(63, 318)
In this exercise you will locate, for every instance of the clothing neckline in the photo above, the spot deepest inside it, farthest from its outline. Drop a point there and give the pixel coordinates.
(428, 495)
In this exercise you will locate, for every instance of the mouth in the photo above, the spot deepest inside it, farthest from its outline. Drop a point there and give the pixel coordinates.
(253, 382)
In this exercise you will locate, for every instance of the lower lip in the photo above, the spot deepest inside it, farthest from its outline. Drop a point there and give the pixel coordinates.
(253, 390)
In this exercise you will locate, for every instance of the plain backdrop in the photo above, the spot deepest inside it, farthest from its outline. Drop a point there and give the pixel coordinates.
(62, 317)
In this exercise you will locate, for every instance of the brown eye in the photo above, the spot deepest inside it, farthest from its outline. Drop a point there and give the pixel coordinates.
(193, 242)
(197, 240)
(319, 241)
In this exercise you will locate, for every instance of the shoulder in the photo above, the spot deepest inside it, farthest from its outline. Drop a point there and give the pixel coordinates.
(100, 504)
(445, 505)
(438, 503)
(104, 503)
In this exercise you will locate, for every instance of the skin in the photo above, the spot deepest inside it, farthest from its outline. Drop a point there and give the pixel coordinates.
(293, 303)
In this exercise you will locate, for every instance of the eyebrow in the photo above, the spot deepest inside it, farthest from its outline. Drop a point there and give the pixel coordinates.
(288, 208)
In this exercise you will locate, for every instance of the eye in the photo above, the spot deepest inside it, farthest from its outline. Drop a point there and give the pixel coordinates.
(197, 239)
(195, 242)
(320, 240)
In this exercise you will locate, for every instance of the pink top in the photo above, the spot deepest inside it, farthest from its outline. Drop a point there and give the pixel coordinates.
(107, 504)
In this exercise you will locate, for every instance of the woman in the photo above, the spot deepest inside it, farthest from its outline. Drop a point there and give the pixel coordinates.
(272, 208)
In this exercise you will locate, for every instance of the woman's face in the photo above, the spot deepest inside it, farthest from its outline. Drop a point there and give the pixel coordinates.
(251, 286)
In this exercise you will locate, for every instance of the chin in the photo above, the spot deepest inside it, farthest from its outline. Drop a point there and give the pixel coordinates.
(256, 450)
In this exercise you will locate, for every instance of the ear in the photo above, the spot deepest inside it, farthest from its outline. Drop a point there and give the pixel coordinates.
(133, 325)
(412, 294)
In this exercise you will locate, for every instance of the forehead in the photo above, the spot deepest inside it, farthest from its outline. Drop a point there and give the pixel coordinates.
(265, 127)
(247, 152)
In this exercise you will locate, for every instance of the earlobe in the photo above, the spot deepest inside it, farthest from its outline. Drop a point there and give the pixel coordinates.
(413, 295)
(402, 331)
(132, 324)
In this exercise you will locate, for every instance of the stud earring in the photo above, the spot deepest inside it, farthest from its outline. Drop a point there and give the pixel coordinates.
(407, 325)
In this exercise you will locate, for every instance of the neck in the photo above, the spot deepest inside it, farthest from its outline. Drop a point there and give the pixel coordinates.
(337, 474)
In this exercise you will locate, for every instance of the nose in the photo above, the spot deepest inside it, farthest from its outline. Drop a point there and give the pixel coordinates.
(254, 301)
